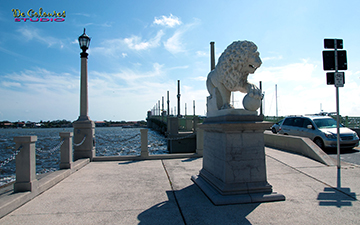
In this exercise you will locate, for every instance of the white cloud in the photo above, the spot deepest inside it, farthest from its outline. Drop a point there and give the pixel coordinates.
(10, 84)
(170, 21)
(136, 42)
(272, 58)
(202, 54)
(41, 80)
(200, 78)
(301, 89)
(82, 14)
(38, 35)
(39, 94)
(114, 47)
(174, 44)
(292, 72)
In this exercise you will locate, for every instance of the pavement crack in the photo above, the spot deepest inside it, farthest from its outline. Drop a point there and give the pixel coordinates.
(338, 189)
(173, 191)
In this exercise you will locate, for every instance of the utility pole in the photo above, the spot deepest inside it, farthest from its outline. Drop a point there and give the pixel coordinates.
(159, 107)
(261, 104)
(168, 104)
(276, 100)
(178, 97)
(212, 55)
(162, 109)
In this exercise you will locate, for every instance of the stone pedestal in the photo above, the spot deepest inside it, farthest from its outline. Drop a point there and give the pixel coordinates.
(66, 150)
(234, 169)
(144, 143)
(25, 164)
(84, 129)
(189, 124)
(172, 126)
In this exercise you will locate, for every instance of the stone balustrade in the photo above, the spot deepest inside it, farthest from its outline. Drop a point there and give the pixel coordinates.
(26, 160)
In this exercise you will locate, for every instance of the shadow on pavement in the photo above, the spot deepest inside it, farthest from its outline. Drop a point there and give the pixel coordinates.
(195, 208)
(339, 196)
(331, 151)
(128, 162)
(336, 197)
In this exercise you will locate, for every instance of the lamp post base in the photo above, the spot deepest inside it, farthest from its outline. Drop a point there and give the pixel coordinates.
(84, 139)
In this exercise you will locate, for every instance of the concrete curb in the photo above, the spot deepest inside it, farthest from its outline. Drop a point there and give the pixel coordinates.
(300, 145)
(9, 201)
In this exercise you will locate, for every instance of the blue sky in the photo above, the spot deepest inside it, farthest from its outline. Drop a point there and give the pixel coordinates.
(139, 49)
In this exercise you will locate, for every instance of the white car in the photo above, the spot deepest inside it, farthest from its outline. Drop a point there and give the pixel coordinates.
(275, 128)
(321, 129)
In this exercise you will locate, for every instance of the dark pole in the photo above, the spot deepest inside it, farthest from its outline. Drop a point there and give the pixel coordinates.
(212, 55)
(178, 97)
(261, 104)
(185, 109)
(168, 104)
(162, 108)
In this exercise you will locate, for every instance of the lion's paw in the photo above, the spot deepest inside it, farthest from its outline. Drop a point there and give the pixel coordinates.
(227, 106)
(254, 92)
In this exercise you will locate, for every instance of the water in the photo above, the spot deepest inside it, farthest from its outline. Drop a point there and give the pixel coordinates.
(110, 141)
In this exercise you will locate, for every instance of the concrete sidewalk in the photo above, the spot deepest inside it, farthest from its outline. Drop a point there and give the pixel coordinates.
(161, 192)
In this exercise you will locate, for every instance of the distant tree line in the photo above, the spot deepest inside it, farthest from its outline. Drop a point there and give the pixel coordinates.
(65, 123)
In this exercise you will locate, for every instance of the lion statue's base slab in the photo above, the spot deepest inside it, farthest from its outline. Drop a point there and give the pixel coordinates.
(239, 59)
(232, 112)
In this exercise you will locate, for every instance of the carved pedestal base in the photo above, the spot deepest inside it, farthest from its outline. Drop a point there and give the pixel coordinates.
(84, 136)
(234, 169)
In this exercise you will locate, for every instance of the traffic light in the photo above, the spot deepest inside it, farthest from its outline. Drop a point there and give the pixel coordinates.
(329, 60)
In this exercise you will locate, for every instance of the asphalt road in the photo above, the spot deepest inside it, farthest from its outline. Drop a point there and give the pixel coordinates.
(347, 155)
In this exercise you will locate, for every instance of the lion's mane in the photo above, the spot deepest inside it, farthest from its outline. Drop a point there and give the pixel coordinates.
(232, 62)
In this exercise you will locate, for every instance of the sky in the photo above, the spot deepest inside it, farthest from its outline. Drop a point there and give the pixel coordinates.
(139, 49)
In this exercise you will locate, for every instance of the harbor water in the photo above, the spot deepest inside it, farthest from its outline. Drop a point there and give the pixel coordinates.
(110, 141)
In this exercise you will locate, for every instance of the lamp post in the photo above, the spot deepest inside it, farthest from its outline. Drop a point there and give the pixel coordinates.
(84, 128)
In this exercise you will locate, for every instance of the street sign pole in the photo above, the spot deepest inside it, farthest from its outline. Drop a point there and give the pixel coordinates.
(337, 108)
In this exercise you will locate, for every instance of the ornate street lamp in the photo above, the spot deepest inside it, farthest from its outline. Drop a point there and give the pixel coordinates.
(84, 128)
(84, 42)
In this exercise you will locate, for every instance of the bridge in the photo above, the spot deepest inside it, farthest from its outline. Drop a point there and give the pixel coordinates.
(156, 189)
(161, 192)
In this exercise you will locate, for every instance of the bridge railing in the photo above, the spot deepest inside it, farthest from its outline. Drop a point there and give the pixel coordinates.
(185, 123)
(26, 151)
(25, 159)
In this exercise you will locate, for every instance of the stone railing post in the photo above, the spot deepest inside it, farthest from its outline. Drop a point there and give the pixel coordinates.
(144, 143)
(195, 122)
(25, 164)
(173, 126)
(199, 141)
(188, 124)
(66, 150)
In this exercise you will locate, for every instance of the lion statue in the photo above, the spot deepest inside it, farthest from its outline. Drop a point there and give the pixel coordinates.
(230, 74)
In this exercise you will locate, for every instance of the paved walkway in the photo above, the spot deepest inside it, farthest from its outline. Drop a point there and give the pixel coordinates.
(161, 192)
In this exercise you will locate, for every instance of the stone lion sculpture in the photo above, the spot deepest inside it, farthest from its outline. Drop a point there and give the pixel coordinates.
(240, 59)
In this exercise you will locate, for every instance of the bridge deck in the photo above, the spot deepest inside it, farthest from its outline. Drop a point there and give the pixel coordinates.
(161, 192)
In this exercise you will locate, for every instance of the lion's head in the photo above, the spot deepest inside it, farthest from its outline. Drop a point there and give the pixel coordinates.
(237, 61)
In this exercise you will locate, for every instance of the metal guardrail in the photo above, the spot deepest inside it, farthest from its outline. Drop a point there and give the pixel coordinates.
(11, 158)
